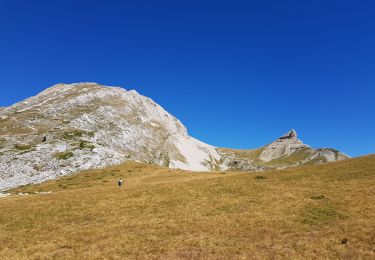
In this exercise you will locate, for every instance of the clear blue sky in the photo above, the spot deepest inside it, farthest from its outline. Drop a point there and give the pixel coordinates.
(236, 73)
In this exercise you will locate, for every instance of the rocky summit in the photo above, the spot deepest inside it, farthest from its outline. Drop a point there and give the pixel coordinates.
(72, 127)
(284, 146)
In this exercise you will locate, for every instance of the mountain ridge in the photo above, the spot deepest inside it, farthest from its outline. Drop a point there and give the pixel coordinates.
(72, 127)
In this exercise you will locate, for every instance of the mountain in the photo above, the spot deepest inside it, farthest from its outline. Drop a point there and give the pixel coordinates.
(286, 151)
(72, 127)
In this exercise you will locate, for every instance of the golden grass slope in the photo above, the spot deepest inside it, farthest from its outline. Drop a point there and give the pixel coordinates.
(325, 211)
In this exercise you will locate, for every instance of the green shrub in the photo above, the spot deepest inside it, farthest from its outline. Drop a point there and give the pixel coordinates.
(64, 155)
(21, 147)
(86, 145)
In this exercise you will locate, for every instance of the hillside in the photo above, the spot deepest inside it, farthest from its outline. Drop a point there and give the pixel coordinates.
(68, 128)
(73, 127)
(313, 211)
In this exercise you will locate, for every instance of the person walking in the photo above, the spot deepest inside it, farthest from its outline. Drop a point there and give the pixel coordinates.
(119, 183)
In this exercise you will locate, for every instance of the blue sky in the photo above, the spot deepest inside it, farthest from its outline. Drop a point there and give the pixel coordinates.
(236, 73)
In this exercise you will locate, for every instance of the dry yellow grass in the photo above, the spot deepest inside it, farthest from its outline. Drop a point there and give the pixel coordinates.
(299, 213)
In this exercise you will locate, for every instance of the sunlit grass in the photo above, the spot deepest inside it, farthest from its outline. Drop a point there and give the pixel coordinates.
(304, 212)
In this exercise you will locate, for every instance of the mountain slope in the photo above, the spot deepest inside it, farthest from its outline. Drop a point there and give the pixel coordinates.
(73, 127)
(308, 212)
(87, 125)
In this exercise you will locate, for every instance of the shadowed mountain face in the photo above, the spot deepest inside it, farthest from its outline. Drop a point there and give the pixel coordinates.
(73, 127)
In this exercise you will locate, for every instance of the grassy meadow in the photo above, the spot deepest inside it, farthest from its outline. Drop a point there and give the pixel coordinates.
(325, 211)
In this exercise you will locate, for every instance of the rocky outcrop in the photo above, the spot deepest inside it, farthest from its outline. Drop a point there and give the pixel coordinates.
(292, 134)
(284, 146)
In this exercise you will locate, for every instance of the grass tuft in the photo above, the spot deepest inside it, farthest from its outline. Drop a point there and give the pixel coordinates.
(317, 197)
(21, 147)
(315, 215)
(64, 155)
(73, 134)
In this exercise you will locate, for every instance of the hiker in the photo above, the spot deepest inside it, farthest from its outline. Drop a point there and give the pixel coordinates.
(120, 183)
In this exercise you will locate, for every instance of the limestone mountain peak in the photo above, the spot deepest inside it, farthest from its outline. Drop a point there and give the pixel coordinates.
(72, 127)
(291, 134)
(284, 146)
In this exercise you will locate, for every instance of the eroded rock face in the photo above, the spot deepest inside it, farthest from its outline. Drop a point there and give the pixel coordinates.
(72, 127)
(292, 134)
(284, 146)
(88, 125)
